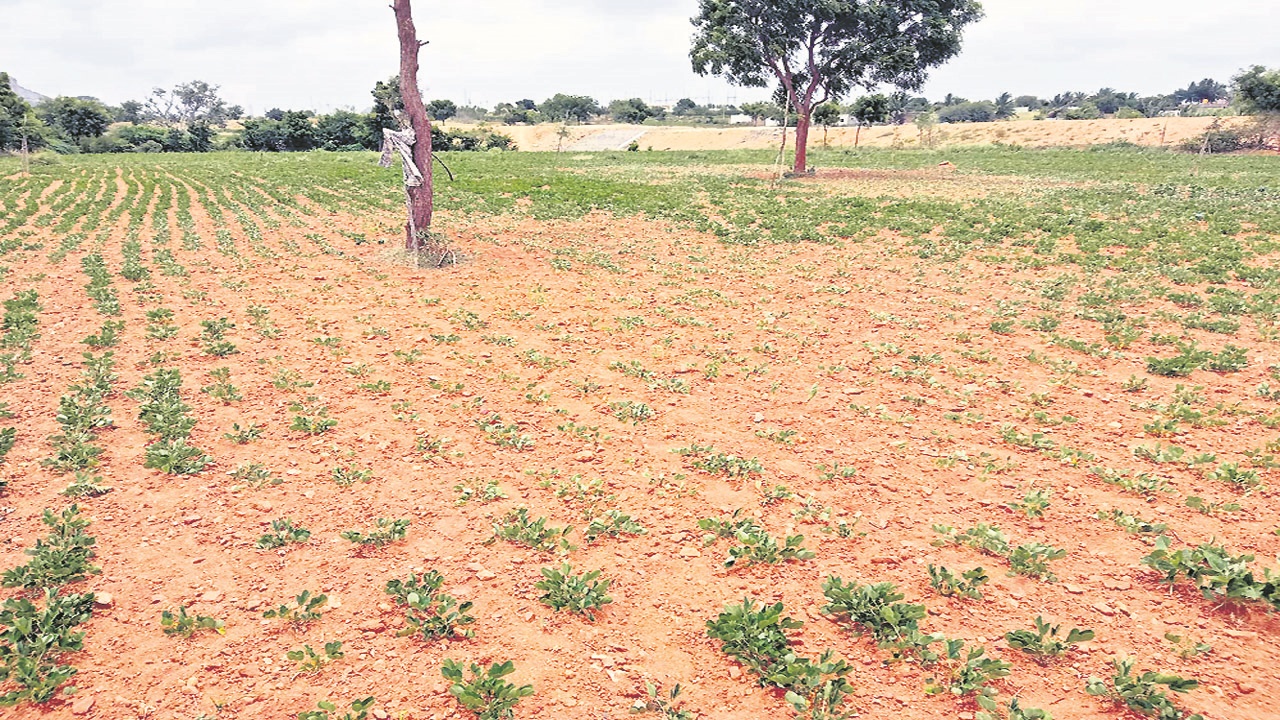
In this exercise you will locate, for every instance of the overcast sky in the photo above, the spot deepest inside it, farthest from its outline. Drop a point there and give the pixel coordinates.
(322, 54)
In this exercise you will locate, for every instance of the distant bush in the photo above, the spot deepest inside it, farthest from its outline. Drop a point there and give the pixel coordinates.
(1128, 113)
(1260, 134)
(968, 112)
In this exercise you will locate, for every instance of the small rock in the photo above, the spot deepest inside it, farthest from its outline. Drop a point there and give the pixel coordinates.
(1104, 609)
(1241, 634)
(372, 625)
(380, 714)
(485, 575)
(191, 519)
(103, 599)
(1245, 688)
(585, 456)
(690, 551)
(212, 596)
(1073, 589)
(757, 418)
(82, 706)
(734, 672)
(1121, 584)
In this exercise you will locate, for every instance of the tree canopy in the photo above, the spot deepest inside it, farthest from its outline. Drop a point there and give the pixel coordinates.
(570, 107)
(1258, 89)
(75, 118)
(819, 50)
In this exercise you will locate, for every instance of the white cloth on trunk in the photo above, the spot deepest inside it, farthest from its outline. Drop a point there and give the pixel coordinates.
(401, 141)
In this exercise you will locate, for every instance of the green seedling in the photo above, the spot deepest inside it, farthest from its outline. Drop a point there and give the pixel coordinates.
(60, 558)
(255, 474)
(1186, 647)
(8, 436)
(245, 435)
(430, 613)
(479, 491)
(716, 463)
(632, 412)
(33, 639)
(612, 524)
(221, 389)
(306, 609)
(188, 625)
(310, 417)
(283, 532)
(516, 527)
(486, 694)
(508, 436)
(667, 704)
(1142, 693)
(1033, 559)
(388, 530)
(86, 485)
(309, 661)
(349, 475)
(969, 584)
(359, 711)
(1033, 504)
(176, 457)
(1043, 642)
(991, 711)
(582, 594)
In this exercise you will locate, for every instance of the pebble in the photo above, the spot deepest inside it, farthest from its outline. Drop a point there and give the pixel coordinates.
(103, 599)
(485, 575)
(1121, 584)
(1073, 589)
(191, 519)
(690, 552)
(82, 706)
(734, 672)
(1104, 609)
(212, 596)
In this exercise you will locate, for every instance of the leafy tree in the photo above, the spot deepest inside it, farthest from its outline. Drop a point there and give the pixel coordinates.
(684, 106)
(514, 114)
(187, 102)
(819, 50)
(968, 112)
(274, 114)
(75, 118)
(297, 131)
(570, 107)
(868, 110)
(441, 109)
(130, 111)
(234, 112)
(1258, 89)
(340, 130)
(1207, 90)
(1109, 101)
(1030, 102)
(1086, 111)
(527, 104)
(13, 110)
(633, 111)
(826, 115)
(200, 136)
(761, 110)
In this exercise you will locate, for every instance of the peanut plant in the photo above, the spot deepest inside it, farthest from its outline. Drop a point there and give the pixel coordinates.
(430, 613)
(181, 623)
(486, 694)
(583, 594)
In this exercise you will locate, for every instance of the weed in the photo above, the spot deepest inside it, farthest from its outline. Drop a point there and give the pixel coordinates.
(86, 485)
(667, 704)
(430, 613)
(388, 530)
(221, 388)
(486, 694)
(188, 625)
(1186, 647)
(310, 417)
(714, 463)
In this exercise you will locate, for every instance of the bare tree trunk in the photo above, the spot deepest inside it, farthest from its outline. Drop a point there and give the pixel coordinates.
(857, 136)
(802, 143)
(419, 198)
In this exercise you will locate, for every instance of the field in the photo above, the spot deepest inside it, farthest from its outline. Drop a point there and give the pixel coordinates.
(1060, 366)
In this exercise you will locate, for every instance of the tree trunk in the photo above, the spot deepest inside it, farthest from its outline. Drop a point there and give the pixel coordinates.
(802, 144)
(420, 198)
(857, 136)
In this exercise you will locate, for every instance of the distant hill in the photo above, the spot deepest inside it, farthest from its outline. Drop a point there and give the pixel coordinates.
(30, 96)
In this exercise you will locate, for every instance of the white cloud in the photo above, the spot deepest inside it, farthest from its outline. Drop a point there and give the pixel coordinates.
(328, 53)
